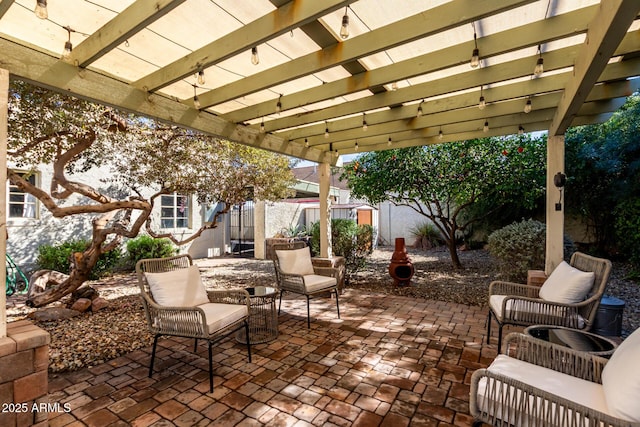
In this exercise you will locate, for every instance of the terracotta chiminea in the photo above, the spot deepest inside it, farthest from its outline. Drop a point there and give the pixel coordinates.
(401, 269)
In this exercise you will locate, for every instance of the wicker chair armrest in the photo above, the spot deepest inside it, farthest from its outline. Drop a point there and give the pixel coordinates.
(327, 271)
(229, 296)
(515, 400)
(291, 282)
(562, 359)
(525, 310)
(184, 321)
(499, 287)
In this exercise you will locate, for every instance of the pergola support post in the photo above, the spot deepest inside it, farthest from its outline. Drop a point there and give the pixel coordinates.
(324, 173)
(4, 113)
(555, 204)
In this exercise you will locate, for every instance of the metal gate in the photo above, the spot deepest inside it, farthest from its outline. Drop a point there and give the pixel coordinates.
(241, 221)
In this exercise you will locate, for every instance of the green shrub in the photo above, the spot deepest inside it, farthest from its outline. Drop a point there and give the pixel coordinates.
(520, 247)
(57, 258)
(427, 234)
(352, 241)
(145, 246)
(627, 229)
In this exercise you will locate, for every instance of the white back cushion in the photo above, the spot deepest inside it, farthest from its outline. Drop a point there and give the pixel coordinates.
(621, 379)
(567, 285)
(295, 261)
(178, 288)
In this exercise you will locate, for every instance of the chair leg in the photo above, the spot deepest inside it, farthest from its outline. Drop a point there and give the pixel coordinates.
(246, 331)
(308, 314)
(337, 304)
(499, 336)
(210, 369)
(195, 345)
(489, 326)
(153, 354)
(280, 303)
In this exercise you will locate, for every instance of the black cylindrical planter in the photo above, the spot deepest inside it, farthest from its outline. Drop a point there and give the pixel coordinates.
(608, 319)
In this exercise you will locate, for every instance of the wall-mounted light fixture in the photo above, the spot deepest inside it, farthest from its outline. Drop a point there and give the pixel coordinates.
(559, 180)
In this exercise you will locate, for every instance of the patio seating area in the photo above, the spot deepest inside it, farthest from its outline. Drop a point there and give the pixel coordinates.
(389, 361)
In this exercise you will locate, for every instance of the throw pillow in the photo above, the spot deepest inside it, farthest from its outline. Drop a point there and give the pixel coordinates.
(567, 285)
(178, 288)
(295, 261)
(621, 379)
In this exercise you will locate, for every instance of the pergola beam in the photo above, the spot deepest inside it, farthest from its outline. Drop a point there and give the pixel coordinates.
(496, 44)
(284, 19)
(605, 32)
(127, 23)
(413, 28)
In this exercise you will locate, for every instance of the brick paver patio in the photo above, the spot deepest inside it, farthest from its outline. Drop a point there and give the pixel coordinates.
(390, 361)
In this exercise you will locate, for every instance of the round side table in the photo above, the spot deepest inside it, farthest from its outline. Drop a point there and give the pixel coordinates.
(574, 339)
(263, 317)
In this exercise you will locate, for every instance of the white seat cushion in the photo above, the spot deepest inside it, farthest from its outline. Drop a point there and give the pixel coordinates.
(567, 284)
(177, 288)
(568, 387)
(219, 315)
(314, 282)
(621, 379)
(295, 261)
(495, 302)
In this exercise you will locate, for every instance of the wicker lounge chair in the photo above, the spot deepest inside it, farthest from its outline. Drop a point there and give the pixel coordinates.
(558, 302)
(177, 304)
(537, 383)
(296, 273)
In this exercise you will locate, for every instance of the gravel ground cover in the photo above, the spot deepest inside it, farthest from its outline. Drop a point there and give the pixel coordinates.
(94, 338)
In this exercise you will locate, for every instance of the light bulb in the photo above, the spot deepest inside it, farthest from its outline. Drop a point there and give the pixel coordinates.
(66, 53)
(306, 142)
(262, 126)
(201, 77)
(475, 58)
(196, 102)
(326, 133)
(41, 9)
(394, 86)
(364, 125)
(486, 127)
(440, 134)
(356, 147)
(539, 69)
(520, 130)
(344, 29)
(419, 113)
(335, 153)
(278, 107)
(527, 106)
(482, 103)
(255, 59)
(389, 141)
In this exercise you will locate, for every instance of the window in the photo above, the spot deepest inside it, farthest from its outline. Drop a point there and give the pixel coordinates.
(174, 211)
(21, 204)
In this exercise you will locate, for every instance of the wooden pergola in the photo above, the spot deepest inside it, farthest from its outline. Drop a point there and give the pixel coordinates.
(303, 77)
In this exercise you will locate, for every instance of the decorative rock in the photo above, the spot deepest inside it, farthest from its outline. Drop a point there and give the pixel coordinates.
(87, 292)
(98, 304)
(81, 305)
(50, 314)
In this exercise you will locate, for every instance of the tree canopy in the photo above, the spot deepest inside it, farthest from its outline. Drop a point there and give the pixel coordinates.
(145, 159)
(448, 182)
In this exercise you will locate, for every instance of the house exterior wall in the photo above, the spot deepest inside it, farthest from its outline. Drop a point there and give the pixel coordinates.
(26, 235)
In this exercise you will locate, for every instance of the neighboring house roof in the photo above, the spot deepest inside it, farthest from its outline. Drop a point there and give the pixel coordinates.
(310, 174)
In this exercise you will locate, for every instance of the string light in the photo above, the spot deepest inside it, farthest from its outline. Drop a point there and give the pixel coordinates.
(389, 141)
(520, 130)
(356, 146)
(306, 142)
(68, 47)
(481, 103)
(262, 126)
(528, 106)
(344, 29)
(539, 68)
(279, 104)
(420, 112)
(394, 86)
(486, 126)
(255, 59)
(364, 123)
(475, 55)
(326, 130)
(196, 101)
(201, 77)
(41, 9)
(440, 134)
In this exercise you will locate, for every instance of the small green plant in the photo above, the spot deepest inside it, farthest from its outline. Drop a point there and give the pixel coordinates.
(145, 246)
(58, 258)
(427, 235)
(295, 231)
(352, 241)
